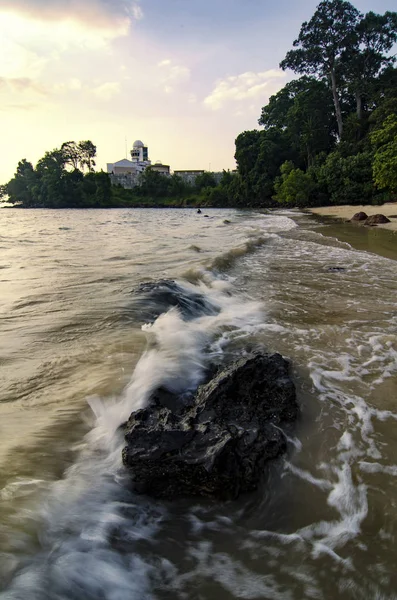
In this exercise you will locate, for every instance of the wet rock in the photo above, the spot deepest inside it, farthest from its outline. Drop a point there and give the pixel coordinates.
(360, 216)
(376, 220)
(336, 269)
(155, 297)
(219, 441)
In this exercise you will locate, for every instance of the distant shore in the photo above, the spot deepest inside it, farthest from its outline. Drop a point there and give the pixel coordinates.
(346, 211)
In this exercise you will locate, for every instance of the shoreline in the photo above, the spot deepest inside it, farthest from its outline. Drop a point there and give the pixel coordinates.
(346, 211)
(334, 222)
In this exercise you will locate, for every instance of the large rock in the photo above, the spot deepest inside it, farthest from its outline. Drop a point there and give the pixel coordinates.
(217, 442)
(376, 220)
(360, 216)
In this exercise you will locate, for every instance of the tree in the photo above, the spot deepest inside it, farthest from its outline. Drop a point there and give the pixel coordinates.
(71, 154)
(303, 110)
(204, 180)
(347, 179)
(366, 57)
(294, 186)
(20, 188)
(87, 154)
(321, 43)
(79, 155)
(385, 159)
(153, 184)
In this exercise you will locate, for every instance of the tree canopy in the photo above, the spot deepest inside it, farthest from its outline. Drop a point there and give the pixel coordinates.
(59, 181)
(328, 136)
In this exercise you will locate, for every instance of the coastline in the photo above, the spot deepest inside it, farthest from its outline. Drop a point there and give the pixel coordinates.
(346, 211)
(334, 221)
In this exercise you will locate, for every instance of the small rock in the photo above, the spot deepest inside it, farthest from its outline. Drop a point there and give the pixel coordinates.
(336, 269)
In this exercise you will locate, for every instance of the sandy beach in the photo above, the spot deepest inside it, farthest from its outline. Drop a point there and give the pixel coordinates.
(345, 212)
(334, 221)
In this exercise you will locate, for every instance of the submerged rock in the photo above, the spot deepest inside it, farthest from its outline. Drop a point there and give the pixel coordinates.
(376, 219)
(360, 216)
(216, 443)
(336, 269)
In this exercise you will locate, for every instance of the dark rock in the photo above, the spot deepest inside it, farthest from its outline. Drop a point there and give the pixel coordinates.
(360, 216)
(218, 443)
(198, 211)
(336, 269)
(376, 219)
(154, 298)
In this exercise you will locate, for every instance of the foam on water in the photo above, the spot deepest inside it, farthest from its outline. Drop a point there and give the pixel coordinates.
(99, 540)
(91, 507)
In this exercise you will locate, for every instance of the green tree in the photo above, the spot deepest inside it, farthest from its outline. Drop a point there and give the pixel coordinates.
(303, 110)
(153, 184)
(87, 155)
(321, 43)
(71, 154)
(20, 188)
(385, 160)
(366, 57)
(204, 180)
(294, 186)
(348, 179)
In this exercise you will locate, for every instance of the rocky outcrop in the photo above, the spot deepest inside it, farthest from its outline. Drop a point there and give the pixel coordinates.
(360, 216)
(217, 442)
(376, 220)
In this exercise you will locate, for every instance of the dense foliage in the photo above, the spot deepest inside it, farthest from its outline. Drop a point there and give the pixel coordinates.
(63, 178)
(331, 135)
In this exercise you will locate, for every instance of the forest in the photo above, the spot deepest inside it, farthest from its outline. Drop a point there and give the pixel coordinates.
(329, 136)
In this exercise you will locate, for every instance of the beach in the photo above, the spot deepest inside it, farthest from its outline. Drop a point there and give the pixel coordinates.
(346, 211)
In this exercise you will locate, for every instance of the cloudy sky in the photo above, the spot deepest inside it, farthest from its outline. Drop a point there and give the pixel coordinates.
(185, 76)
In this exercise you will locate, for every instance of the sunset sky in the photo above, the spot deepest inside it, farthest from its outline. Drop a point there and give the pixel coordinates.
(184, 76)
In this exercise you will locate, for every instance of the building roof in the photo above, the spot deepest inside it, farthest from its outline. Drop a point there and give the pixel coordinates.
(138, 144)
(124, 163)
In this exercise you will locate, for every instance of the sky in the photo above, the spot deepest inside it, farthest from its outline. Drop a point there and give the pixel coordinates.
(184, 76)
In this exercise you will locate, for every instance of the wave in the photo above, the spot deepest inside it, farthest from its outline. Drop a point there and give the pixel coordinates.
(92, 525)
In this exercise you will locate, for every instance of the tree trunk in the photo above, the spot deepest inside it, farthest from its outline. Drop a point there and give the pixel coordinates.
(338, 110)
(359, 104)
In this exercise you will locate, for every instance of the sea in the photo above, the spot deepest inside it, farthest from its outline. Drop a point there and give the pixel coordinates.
(84, 341)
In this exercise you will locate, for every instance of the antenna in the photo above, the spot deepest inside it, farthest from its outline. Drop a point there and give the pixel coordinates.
(126, 152)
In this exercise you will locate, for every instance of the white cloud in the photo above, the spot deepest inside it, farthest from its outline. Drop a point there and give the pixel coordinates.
(243, 87)
(137, 12)
(172, 75)
(103, 14)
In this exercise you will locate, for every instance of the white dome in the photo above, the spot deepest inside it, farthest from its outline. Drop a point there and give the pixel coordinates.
(138, 144)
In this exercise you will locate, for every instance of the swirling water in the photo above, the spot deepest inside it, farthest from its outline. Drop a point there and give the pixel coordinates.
(81, 347)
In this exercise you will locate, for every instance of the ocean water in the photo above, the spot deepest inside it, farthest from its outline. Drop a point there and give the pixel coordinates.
(83, 342)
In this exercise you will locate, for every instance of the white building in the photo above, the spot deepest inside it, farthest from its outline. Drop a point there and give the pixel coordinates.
(126, 172)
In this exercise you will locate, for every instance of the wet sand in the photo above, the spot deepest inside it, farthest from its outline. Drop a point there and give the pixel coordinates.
(346, 212)
(381, 240)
